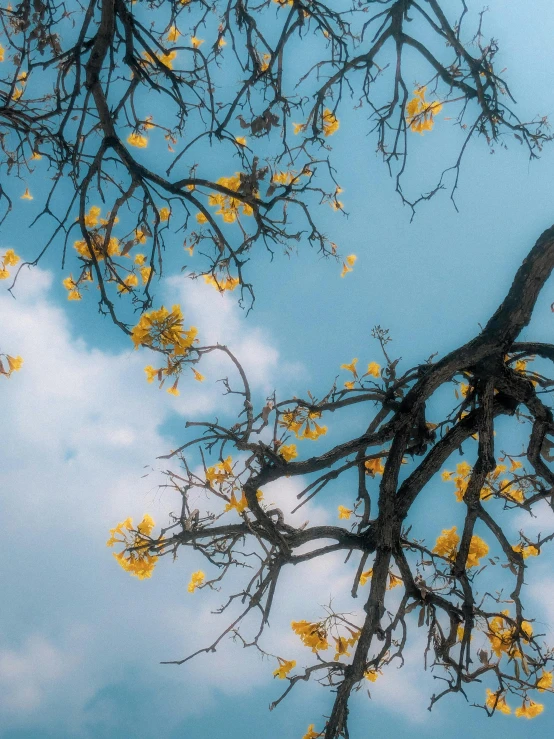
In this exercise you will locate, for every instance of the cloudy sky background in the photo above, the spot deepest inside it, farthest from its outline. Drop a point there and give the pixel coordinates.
(80, 640)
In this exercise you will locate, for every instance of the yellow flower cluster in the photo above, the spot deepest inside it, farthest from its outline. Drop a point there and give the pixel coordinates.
(330, 123)
(394, 580)
(285, 666)
(344, 512)
(312, 733)
(502, 636)
(10, 259)
(529, 709)
(222, 281)
(162, 329)
(14, 364)
(288, 452)
(374, 466)
(196, 580)
(373, 370)
(227, 206)
(135, 557)
(348, 264)
(137, 139)
(447, 546)
(420, 113)
(220, 472)
(238, 505)
(311, 635)
(497, 701)
(526, 550)
(506, 488)
(302, 423)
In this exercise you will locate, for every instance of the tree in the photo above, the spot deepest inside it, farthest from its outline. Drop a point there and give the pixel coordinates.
(117, 184)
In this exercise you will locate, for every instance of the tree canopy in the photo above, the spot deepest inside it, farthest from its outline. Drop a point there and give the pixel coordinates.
(212, 123)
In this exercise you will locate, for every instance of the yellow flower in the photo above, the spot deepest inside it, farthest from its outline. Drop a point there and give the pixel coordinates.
(173, 389)
(371, 675)
(238, 505)
(129, 282)
(198, 376)
(4, 274)
(311, 635)
(497, 702)
(10, 258)
(330, 123)
(394, 581)
(420, 113)
(151, 373)
(138, 140)
(145, 274)
(341, 648)
(477, 549)
(140, 259)
(220, 472)
(91, 218)
(26, 195)
(240, 140)
(288, 452)
(2, 52)
(544, 682)
(196, 42)
(447, 543)
(298, 127)
(197, 578)
(373, 369)
(344, 512)
(15, 363)
(173, 33)
(135, 557)
(201, 218)
(311, 733)
(221, 43)
(365, 576)
(284, 668)
(349, 385)
(446, 475)
(529, 710)
(164, 214)
(351, 367)
(374, 467)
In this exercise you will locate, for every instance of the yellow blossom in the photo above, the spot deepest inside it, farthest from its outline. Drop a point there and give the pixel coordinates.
(129, 282)
(27, 195)
(526, 551)
(151, 373)
(349, 385)
(10, 258)
(344, 512)
(196, 42)
(298, 127)
(221, 43)
(372, 674)
(341, 648)
(238, 505)
(173, 33)
(365, 576)
(288, 452)
(374, 466)
(420, 113)
(197, 578)
(497, 702)
(544, 682)
(4, 273)
(529, 709)
(312, 635)
(330, 123)
(173, 390)
(220, 472)
(373, 369)
(311, 733)
(285, 666)
(2, 52)
(351, 367)
(348, 264)
(135, 557)
(145, 273)
(198, 376)
(91, 218)
(201, 218)
(241, 140)
(138, 140)
(15, 363)
(164, 214)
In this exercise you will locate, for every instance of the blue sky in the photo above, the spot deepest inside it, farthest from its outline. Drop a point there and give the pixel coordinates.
(80, 641)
